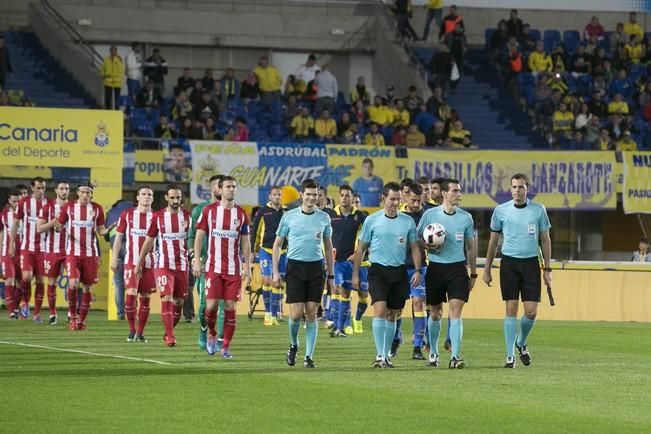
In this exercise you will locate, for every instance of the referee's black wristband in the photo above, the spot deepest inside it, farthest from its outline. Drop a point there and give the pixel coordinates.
(330, 276)
(473, 275)
(548, 269)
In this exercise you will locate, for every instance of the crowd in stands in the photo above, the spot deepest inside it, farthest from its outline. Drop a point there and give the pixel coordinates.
(586, 90)
(9, 97)
(305, 106)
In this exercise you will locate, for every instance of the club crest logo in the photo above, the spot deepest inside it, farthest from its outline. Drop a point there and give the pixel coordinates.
(101, 135)
(317, 236)
(401, 240)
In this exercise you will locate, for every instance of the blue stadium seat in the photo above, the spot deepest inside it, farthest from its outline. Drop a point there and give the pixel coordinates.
(571, 39)
(424, 120)
(488, 33)
(535, 33)
(636, 71)
(552, 38)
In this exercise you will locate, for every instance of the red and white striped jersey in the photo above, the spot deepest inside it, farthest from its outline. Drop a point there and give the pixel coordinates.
(81, 223)
(28, 211)
(134, 224)
(7, 217)
(171, 232)
(55, 241)
(224, 228)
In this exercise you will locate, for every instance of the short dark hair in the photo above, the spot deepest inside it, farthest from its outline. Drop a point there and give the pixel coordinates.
(22, 187)
(225, 178)
(521, 176)
(445, 185)
(61, 181)
(644, 240)
(176, 146)
(14, 192)
(367, 160)
(345, 187)
(309, 183)
(438, 180)
(142, 187)
(35, 180)
(406, 182)
(85, 184)
(391, 186)
(173, 186)
(215, 178)
(323, 188)
(416, 188)
(357, 195)
(275, 187)
(423, 180)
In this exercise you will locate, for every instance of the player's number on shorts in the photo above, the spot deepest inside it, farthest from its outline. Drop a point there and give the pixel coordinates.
(162, 280)
(47, 265)
(128, 274)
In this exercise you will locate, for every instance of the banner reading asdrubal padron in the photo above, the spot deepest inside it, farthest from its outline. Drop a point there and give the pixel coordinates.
(56, 137)
(560, 180)
(636, 193)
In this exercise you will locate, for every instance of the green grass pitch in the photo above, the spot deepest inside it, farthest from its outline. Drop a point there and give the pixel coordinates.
(584, 377)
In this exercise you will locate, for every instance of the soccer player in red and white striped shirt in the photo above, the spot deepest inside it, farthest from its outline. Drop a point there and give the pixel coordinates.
(32, 248)
(10, 265)
(132, 227)
(55, 246)
(226, 227)
(170, 227)
(83, 219)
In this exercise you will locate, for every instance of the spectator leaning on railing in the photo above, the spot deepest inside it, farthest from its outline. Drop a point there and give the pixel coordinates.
(112, 76)
(642, 253)
(269, 81)
(133, 70)
(156, 70)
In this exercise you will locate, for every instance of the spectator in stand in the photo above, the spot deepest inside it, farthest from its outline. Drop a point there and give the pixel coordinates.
(415, 138)
(413, 101)
(360, 92)
(325, 128)
(307, 72)
(185, 82)
(206, 107)
(436, 135)
(241, 130)
(343, 124)
(400, 115)
(269, 81)
(458, 137)
(515, 25)
(559, 58)
(450, 22)
(217, 95)
(434, 12)
(621, 60)
(209, 130)
(133, 66)
(456, 42)
(616, 126)
(592, 131)
(351, 135)
(149, 97)
(633, 27)
(497, 43)
(642, 254)
(156, 70)
(608, 72)
(207, 79)
(358, 112)
(112, 73)
(527, 41)
(645, 97)
(598, 59)
(599, 84)
(591, 46)
(556, 81)
(647, 53)
(390, 96)
(302, 125)
(165, 129)
(435, 101)
(583, 117)
(444, 113)
(295, 87)
(563, 122)
(539, 61)
(250, 89)
(605, 141)
(618, 38)
(441, 67)
(626, 142)
(230, 85)
(379, 113)
(594, 28)
(373, 137)
(513, 68)
(327, 90)
(181, 105)
(197, 90)
(399, 137)
(311, 90)
(622, 85)
(580, 62)
(291, 109)
(5, 64)
(404, 12)
(618, 106)
(196, 132)
(635, 49)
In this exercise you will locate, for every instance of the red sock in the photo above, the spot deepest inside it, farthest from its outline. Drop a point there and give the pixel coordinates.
(72, 302)
(27, 292)
(52, 299)
(167, 309)
(38, 298)
(211, 322)
(229, 327)
(143, 314)
(9, 298)
(130, 311)
(177, 313)
(84, 306)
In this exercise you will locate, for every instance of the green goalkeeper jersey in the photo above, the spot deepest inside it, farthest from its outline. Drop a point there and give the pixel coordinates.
(196, 213)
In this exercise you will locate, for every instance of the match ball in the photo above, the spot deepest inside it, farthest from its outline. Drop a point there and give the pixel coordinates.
(434, 235)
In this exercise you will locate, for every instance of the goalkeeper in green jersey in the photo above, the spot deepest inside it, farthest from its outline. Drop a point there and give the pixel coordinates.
(201, 281)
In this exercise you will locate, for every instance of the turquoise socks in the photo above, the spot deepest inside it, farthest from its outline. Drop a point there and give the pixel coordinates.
(526, 325)
(311, 330)
(433, 332)
(294, 326)
(510, 330)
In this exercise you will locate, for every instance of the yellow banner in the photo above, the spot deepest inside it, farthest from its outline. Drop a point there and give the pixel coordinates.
(365, 168)
(560, 180)
(61, 137)
(149, 166)
(637, 182)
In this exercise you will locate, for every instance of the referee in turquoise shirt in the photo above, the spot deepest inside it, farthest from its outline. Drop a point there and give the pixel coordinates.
(523, 223)
(308, 233)
(387, 233)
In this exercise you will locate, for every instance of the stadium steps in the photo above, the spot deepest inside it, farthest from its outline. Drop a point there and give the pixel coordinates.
(40, 76)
